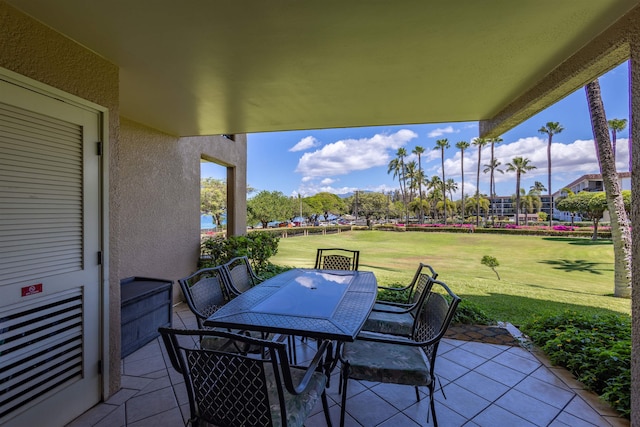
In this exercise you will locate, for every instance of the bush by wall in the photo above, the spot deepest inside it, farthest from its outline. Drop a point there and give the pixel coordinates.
(596, 349)
(258, 246)
(469, 313)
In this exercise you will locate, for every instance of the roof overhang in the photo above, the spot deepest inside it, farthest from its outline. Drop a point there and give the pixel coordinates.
(205, 67)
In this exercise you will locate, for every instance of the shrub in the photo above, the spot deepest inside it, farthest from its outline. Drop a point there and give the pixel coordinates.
(393, 296)
(596, 349)
(258, 246)
(272, 270)
(469, 313)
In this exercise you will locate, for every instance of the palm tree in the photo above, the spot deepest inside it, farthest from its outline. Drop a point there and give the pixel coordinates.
(492, 167)
(417, 181)
(616, 125)
(441, 145)
(451, 186)
(537, 188)
(536, 201)
(519, 165)
(492, 191)
(529, 202)
(462, 145)
(483, 203)
(412, 178)
(479, 142)
(620, 229)
(418, 151)
(398, 168)
(550, 129)
(435, 185)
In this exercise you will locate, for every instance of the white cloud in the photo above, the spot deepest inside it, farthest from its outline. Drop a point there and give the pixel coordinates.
(441, 131)
(311, 188)
(568, 162)
(345, 156)
(314, 188)
(304, 144)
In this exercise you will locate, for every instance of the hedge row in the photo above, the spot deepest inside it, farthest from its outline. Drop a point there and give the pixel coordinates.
(603, 234)
(299, 231)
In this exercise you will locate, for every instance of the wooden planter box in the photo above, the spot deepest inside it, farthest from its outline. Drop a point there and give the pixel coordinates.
(145, 306)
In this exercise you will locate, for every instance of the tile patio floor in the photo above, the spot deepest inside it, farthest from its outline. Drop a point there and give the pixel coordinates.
(486, 385)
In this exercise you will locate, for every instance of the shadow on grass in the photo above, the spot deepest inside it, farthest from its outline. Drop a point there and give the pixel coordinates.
(520, 310)
(580, 265)
(568, 290)
(579, 241)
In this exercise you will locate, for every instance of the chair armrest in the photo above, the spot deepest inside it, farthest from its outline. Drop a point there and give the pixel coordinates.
(313, 367)
(257, 278)
(405, 307)
(393, 289)
(407, 290)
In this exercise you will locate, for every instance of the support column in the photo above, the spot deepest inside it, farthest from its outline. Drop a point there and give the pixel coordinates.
(237, 189)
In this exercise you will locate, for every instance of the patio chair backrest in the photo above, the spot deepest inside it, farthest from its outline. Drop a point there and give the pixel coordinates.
(421, 281)
(420, 285)
(232, 389)
(205, 292)
(337, 259)
(226, 389)
(241, 275)
(433, 318)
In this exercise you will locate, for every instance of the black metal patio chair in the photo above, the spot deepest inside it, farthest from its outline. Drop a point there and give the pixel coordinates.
(241, 275)
(405, 293)
(397, 318)
(229, 389)
(205, 291)
(337, 259)
(402, 360)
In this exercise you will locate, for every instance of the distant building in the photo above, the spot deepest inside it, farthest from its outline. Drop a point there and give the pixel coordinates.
(591, 183)
(504, 207)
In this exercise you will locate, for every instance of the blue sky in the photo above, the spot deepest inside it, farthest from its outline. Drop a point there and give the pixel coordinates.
(343, 160)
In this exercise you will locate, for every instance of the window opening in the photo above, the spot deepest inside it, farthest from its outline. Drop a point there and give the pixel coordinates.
(213, 198)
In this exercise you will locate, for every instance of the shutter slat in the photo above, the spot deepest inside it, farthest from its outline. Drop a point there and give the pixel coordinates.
(41, 201)
(41, 347)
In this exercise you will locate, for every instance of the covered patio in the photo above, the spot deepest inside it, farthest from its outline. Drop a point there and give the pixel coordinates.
(486, 385)
(149, 89)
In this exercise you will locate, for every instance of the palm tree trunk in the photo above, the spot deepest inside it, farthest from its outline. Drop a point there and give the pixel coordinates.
(444, 190)
(613, 144)
(518, 198)
(478, 188)
(549, 182)
(491, 184)
(462, 169)
(462, 177)
(420, 188)
(620, 229)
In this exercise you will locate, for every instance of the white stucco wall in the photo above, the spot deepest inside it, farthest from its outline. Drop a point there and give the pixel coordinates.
(159, 198)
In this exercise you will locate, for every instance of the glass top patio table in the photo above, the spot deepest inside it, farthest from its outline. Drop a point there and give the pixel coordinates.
(324, 304)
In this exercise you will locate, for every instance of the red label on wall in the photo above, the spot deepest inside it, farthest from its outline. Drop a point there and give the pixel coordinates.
(32, 289)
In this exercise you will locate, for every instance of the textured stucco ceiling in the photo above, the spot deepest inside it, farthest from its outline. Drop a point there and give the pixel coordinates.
(211, 67)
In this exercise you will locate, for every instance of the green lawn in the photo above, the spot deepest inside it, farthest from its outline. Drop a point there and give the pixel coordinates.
(540, 275)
